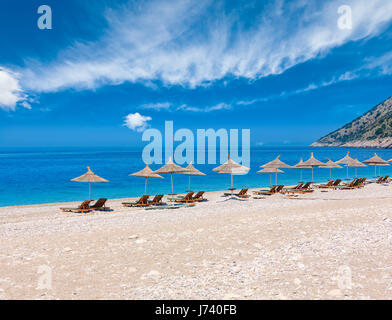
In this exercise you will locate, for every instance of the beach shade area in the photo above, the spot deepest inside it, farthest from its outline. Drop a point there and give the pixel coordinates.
(300, 165)
(231, 167)
(170, 167)
(271, 171)
(330, 165)
(89, 177)
(347, 161)
(146, 173)
(192, 171)
(312, 162)
(277, 164)
(376, 161)
(356, 164)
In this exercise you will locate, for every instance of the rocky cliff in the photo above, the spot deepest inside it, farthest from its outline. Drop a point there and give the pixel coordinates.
(371, 130)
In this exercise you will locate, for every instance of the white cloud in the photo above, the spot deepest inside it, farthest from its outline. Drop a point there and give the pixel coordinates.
(194, 42)
(136, 122)
(26, 105)
(156, 106)
(10, 91)
(220, 106)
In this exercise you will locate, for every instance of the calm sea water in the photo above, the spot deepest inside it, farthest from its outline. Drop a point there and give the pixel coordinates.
(34, 176)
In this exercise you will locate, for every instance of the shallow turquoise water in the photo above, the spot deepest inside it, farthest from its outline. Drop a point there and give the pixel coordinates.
(38, 175)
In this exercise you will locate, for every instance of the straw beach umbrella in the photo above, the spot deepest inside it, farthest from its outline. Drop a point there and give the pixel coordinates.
(347, 161)
(300, 165)
(192, 171)
(376, 161)
(170, 167)
(313, 162)
(330, 165)
(146, 173)
(356, 164)
(277, 164)
(231, 167)
(270, 171)
(89, 177)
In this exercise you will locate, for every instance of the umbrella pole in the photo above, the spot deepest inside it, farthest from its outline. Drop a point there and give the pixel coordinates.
(276, 178)
(375, 171)
(189, 186)
(330, 173)
(301, 175)
(231, 184)
(270, 179)
(89, 190)
(347, 171)
(171, 178)
(145, 186)
(312, 173)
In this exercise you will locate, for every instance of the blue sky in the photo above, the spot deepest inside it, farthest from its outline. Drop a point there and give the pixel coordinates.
(284, 69)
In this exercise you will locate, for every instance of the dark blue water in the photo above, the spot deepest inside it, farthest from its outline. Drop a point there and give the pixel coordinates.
(33, 176)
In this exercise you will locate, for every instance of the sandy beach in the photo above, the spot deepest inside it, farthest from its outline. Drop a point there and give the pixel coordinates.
(324, 245)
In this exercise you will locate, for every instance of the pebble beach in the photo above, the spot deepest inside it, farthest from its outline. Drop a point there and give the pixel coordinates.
(329, 244)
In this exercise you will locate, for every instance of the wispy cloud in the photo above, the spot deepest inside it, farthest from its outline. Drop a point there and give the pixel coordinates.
(156, 106)
(136, 122)
(170, 107)
(178, 43)
(217, 107)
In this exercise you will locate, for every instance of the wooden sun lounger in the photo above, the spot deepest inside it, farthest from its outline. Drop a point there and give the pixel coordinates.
(100, 205)
(326, 185)
(199, 197)
(157, 201)
(352, 185)
(266, 192)
(335, 184)
(304, 189)
(242, 194)
(142, 202)
(84, 207)
(382, 179)
(187, 198)
(298, 186)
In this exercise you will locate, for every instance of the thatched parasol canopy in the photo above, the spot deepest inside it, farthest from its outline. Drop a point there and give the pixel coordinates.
(376, 161)
(330, 165)
(312, 162)
(89, 177)
(346, 160)
(170, 167)
(231, 167)
(300, 165)
(276, 163)
(192, 171)
(356, 164)
(146, 173)
(271, 170)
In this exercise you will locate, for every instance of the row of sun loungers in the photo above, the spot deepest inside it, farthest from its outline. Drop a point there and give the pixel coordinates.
(157, 201)
(191, 198)
(336, 184)
(300, 188)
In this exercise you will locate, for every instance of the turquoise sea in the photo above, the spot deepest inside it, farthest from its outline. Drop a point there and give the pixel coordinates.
(42, 175)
